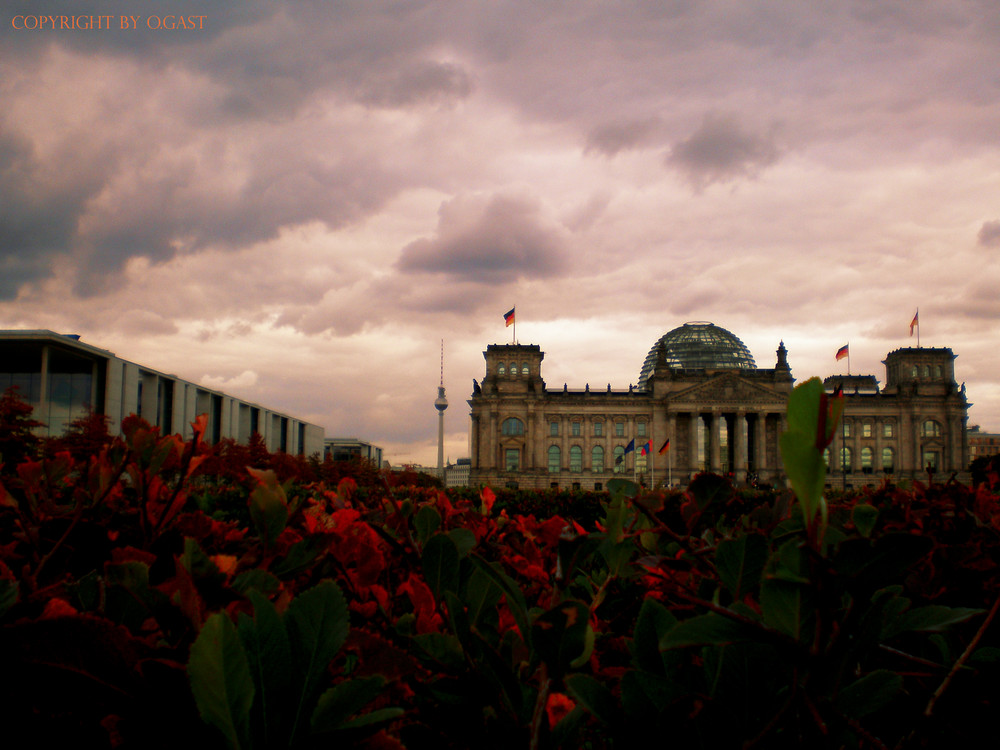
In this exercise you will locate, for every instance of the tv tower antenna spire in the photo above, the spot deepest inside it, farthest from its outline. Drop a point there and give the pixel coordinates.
(441, 403)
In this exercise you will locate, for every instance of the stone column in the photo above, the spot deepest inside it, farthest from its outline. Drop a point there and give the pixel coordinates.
(693, 442)
(782, 428)
(760, 437)
(739, 467)
(492, 445)
(714, 461)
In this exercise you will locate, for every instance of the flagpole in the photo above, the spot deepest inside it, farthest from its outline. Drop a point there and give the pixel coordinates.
(918, 328)
(848, 358)
(652, 461)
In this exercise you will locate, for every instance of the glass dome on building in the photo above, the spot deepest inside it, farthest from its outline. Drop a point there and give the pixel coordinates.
(698, 346)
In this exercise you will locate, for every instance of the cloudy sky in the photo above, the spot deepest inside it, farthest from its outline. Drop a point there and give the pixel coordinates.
(297, 201)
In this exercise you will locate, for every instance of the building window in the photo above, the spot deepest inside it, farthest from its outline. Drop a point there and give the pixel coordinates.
(513, 462)
(640, 462)
(641, 429)
(826, 459)
(576, 429)
(597, 459)
(598, 486)
(619, 429)
(866, 460)
(888, 460)
(598, 429)
(553, 485)
(619, 459)
(937, 371)
(554, 464)
(845, 459)
(931, 429)
(576, 458)
(524, 368)
(576, 486)
(927, 371)
(845, 429)
(931, 459)
(553, 429)
(915, 372)
(501, 369)
(866, 430)
(512, 426)
(887, 429)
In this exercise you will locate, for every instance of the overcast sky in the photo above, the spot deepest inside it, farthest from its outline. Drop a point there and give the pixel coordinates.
(298, 201)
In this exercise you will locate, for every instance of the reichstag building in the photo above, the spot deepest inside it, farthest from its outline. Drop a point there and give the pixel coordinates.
(700, 389)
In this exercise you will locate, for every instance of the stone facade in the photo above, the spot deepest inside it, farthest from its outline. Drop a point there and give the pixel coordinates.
(725, 419)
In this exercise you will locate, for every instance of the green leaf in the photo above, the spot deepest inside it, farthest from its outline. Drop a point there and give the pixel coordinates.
(256, 579)
(935, 618)
(426, 522)
(515, 598)
(440, 564)
(444, 649)
(619, 487)
(560, 636)
(464, 540)
(593, 696)
(653, 623)
(786, 606)
(869, 694)
(317, 622)
(864, 517)
(268, 506)
(269, 654)
(338, 704)
(219, 675)
(481, 595)
(740, 563)
(9, 591)
(802, 457)
(705, 630)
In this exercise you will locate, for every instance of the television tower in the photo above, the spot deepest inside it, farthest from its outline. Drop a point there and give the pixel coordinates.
(441, 403)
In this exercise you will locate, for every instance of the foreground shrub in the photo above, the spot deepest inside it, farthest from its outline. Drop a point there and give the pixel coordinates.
(149, 597)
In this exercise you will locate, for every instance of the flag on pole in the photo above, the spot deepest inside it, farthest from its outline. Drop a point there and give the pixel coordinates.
(842, 352)
(665, 447)
(646, 448)
(630, 447)
(509, 318)
(915, 322)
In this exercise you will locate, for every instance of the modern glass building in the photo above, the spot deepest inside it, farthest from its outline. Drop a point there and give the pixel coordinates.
(63, 378)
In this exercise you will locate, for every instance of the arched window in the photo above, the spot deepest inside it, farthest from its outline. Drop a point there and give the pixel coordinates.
(937, 371)
(575, 458)
(501, 369)
(524, 368)
(512, 426)
(867, 455)
(927, 371)
(826, 458)
(619, 459)
(845, 459)
(930, 428)
(554, 466)
(915, 372)
(888, 460)
(640, 462)
(597, 459)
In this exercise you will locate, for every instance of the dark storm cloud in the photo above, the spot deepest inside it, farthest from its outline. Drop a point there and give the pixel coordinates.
(720, 150)
(989, 234)
(500, 242)
(425, 83)
(611, 138)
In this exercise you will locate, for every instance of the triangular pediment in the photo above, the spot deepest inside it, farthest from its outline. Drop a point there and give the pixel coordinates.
(728, 388)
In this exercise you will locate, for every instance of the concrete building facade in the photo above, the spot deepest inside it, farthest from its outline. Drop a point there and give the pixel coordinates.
(63, 377)
(701, 390)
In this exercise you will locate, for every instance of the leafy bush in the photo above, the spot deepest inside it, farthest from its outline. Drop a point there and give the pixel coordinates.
(156, 592)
